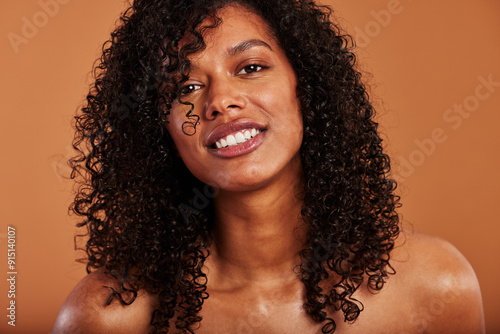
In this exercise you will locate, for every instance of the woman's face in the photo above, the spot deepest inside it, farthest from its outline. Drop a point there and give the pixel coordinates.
(244, 90)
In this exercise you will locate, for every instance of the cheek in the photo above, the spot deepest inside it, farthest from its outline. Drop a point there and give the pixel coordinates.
(178, 124)
(183, 143)
(284, 107)
(188, 148)
(175, 120)
(173, 123)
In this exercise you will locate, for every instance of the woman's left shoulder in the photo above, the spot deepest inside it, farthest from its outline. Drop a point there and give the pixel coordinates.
(440, 281)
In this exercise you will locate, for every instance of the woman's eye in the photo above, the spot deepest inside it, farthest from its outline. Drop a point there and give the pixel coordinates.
(250, 69)
(189, 89)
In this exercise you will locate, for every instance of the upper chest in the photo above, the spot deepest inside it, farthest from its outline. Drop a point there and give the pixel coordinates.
(255, 313)
(275, 313)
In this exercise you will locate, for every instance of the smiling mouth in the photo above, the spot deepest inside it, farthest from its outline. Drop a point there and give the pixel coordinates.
(236, 138)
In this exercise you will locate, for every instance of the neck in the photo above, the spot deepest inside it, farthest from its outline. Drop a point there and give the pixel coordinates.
(257, 235)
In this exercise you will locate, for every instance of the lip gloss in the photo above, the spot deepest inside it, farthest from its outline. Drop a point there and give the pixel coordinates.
(240, 149)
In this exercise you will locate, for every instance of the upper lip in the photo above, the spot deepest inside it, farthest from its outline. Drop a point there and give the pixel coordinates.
(228, 128)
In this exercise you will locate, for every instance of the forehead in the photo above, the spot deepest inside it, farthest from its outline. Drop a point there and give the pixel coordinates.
(236, 18)
(237, 24)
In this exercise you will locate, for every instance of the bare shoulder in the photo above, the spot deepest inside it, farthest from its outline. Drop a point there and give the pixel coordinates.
(420, 257)
(438, 279)
(86, 310)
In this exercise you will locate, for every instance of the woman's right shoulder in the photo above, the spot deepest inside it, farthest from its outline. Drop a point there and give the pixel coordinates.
(86, 309)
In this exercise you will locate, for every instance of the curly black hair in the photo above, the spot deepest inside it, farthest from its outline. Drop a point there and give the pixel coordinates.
(136, 197)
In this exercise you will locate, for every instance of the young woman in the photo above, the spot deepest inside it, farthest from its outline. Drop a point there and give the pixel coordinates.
(236, 183)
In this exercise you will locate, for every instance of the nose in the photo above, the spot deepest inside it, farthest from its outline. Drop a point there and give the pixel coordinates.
(224, 95)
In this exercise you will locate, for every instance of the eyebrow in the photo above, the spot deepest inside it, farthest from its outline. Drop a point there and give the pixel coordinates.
(243, 46)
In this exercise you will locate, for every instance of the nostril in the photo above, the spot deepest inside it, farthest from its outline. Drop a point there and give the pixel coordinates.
(233, 106)
(214, 113)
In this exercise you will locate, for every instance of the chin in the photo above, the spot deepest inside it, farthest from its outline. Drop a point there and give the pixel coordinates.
(240, 181)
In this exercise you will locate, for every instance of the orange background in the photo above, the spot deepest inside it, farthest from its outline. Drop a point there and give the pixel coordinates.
(423, 58)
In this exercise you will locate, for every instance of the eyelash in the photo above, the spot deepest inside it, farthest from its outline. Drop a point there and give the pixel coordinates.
(251, 68)
(189, 89)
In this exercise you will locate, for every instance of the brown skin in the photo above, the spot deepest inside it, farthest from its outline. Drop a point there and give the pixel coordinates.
(257, 238)
(242, 75)
(434, 290)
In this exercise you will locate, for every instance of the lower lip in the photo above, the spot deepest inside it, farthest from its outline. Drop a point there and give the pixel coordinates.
(240, 149)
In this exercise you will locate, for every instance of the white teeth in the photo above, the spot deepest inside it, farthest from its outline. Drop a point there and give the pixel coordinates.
(240, 138)
(236, 138)
(231, 140)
